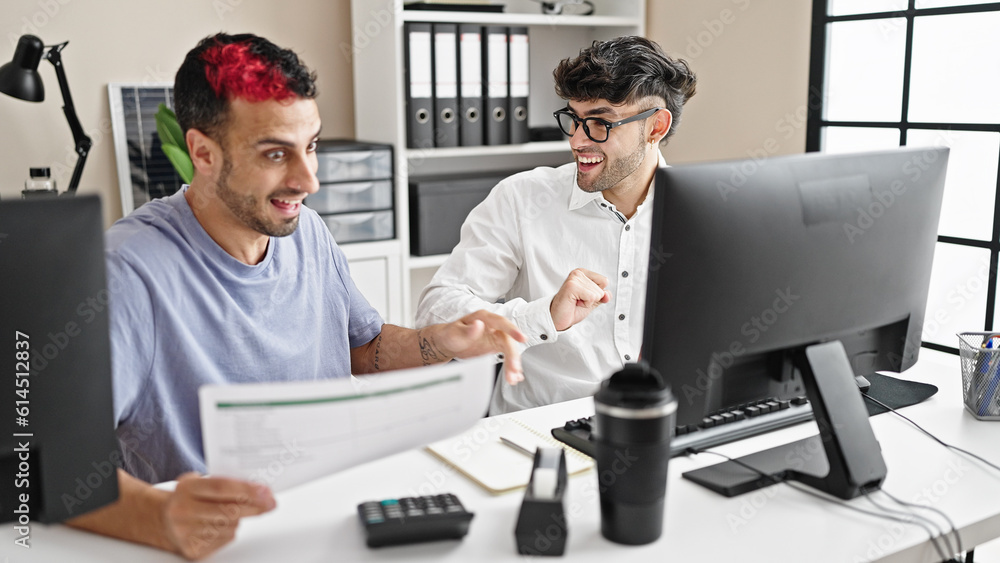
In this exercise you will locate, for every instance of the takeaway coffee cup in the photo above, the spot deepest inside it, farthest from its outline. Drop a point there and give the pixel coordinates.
(633, 423)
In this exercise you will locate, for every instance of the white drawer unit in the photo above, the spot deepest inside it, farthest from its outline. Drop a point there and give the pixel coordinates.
(352, 196)
(356, 196)
(361, 227)
(343, 160)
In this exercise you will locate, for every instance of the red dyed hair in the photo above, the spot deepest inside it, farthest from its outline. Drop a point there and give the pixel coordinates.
(234, 72)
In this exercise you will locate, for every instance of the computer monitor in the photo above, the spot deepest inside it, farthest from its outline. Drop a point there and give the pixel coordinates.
(59, 453)
(752, 262)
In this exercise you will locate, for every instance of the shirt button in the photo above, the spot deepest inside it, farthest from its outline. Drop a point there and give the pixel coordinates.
(621, 317)
(624, 274)
(603, 205)
(627, 357)
(544, 337)
(628, 227)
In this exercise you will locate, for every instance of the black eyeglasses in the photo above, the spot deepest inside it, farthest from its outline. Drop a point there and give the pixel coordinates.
(568, 122)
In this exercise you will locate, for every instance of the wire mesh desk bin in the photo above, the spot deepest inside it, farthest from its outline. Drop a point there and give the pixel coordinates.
(980, 352)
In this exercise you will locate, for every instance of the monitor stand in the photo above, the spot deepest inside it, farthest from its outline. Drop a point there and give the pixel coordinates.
(844, 460)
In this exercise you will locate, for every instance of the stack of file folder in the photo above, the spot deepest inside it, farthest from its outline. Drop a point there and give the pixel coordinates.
(466, 85)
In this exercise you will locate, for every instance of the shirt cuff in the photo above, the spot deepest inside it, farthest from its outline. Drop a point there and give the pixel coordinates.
(535, 321)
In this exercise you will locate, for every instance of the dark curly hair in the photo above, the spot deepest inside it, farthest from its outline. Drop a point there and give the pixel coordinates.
(626, 70)
(223, 67)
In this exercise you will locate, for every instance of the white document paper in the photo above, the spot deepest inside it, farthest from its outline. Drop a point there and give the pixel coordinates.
(287, 434)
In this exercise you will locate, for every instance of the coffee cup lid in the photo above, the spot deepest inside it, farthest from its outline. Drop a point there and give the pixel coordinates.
(636, 385)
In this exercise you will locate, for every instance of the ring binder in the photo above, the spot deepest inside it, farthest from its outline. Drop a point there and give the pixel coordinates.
(470, 69)
(445, 85)
(495, 57)
(419, 85)
(519, 85)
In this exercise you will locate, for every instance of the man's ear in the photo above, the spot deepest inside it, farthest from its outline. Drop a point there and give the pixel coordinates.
(206, 154)
(662, 122)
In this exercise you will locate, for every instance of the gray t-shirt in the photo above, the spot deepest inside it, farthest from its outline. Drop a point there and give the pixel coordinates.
(184, 313)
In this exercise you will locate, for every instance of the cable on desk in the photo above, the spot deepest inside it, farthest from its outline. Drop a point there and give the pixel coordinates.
(938, 531)
(932, 436)
(933, 537)
(958, 537)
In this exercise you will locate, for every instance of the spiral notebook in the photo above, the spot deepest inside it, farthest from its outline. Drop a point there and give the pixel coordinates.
(497, 467)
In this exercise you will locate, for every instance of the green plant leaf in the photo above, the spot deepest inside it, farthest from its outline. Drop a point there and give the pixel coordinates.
(168, 129)
(172, 142)
(181, 161)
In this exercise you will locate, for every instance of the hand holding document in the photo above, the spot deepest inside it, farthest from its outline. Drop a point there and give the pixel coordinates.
(287, 434)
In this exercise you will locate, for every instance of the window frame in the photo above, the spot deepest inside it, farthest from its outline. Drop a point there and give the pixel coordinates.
(815, 121)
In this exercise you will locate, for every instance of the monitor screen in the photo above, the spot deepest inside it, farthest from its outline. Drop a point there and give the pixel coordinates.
(58, 454)
(752, 261)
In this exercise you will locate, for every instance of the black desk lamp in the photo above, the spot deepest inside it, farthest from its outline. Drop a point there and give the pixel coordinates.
(20, 78)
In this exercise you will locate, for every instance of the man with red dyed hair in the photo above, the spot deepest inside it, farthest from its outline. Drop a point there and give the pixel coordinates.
(232, 280)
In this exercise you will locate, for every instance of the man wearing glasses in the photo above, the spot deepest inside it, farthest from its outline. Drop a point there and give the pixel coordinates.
(563, 252)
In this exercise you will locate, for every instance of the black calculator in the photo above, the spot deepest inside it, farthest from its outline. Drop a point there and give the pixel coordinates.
(414, 519)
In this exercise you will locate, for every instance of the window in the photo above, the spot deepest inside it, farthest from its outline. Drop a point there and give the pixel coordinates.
(885, 73)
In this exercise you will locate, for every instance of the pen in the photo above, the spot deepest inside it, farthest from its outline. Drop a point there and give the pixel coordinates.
(518, 447)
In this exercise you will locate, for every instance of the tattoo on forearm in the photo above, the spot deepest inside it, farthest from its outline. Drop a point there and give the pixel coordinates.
(429, 353)
(378, 350)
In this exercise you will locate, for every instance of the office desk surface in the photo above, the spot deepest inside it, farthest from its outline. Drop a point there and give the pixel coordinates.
(318, 521)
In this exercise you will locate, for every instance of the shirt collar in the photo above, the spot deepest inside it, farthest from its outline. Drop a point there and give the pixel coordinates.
(579, 198)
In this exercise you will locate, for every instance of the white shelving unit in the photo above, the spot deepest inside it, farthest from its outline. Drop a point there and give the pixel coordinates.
(379, 114)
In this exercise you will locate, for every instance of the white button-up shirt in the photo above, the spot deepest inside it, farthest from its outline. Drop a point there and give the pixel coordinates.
(517, 248)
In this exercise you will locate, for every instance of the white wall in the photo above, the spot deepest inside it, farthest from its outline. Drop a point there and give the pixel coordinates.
(128, 40)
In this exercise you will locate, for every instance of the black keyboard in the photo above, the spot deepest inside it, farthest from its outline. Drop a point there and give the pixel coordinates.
(716, 429)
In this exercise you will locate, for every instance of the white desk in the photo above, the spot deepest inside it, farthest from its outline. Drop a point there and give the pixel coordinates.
(318, 522)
